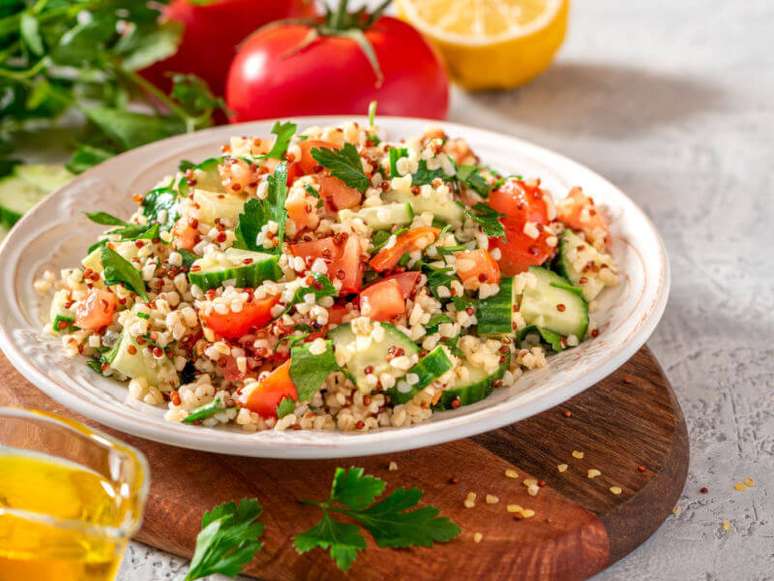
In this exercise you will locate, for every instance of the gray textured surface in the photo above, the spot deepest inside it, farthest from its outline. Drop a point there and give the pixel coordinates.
(674, 102)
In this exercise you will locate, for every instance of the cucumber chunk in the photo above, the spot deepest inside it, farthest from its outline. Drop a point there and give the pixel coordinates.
(381, 217)
(495, 314)
(131, 360)
(555, 304)
(361, 353)
(439, 205)
(478, 385)
(580, 262)
(428, 369)
(218, 205)
(243, 268)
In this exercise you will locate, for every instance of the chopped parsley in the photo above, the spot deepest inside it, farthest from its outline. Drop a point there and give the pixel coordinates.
(425, 176)
(323, 288)
(118, 270)
(471, 177)
(284, 133)
(105, 219)
(309, 370)
(285, 407)
(488, 219)
(344, 164)
(257, 213)
(393, 522)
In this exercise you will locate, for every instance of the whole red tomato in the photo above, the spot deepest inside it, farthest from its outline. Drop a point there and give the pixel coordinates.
(279, 73)
(212, 31)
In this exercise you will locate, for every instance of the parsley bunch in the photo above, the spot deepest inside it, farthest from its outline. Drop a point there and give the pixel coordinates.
(393, 522)
(84, 56)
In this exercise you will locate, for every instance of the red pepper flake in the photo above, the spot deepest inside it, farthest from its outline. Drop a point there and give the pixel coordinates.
(221, 237)
(360, 425)
(641, 468)
(132, 350)
(561, 308)
(369, 369)
(456, 403)
(193, 223)
(453, 480)
(704, 490)
(541, 483)
(247, 261)
(196, 268)
(175, 397)
(567, 413)
(595, 332)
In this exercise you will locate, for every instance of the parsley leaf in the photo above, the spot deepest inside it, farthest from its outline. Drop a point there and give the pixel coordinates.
(284, 133)
(138, 231)
(488, 218)
(426, 176)
(436, 320)
(394, 522)
(342, 540)
(105, 219)
(188, 257)
(438, 277)
(228, 541)
(285, 407)
(118, 270)
(309, 370)
(323, 287)
(160, 205)
(257, 213)
(471, 176)
(344, 164)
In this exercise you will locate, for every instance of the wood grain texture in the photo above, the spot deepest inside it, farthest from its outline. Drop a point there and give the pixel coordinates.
(580, 527)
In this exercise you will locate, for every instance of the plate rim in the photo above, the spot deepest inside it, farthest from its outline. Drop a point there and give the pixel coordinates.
(379, 442)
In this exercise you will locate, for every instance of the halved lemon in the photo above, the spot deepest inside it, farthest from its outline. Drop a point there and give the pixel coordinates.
(491, 44)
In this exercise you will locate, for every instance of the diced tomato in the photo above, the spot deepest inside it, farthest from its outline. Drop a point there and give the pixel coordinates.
(578, 212)
(349, 266)
(294, 172)
(186, 236)
(303, 213)
(407, 281)
(96, 311)
(265, 398)
(475, 267)
(518, 252)
(336, 314)
(337, 194)
(521, 203)
(308, 163)
(343, 259)
(254, 315)
(384, 300)
(416, 239)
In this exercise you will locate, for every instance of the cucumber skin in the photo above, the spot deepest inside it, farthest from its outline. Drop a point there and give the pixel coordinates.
(440, 363)
(249, 276)
(470, 394)
(495, 314)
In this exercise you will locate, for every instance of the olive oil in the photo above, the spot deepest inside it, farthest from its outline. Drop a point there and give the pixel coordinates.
(55, 518)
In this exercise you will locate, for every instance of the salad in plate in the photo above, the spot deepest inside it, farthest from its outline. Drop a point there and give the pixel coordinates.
(332, 279)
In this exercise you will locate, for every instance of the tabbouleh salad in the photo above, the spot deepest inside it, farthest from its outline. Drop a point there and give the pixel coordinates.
(330, 279)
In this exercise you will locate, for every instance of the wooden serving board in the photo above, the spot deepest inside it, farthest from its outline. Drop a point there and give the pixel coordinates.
(629, 426)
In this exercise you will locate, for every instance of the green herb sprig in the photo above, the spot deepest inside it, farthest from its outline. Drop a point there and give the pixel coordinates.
(393, 522)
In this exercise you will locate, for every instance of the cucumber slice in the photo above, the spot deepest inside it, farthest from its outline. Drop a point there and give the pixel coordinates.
(477, 387)
(27, 186)
(381, 217)
(244, 268)
(47, 177)
(375, 356)
(129, 359)
(579, 262)
(428, 369)
(218, 205)
(555, 304)
(441, 206)
(495, 314)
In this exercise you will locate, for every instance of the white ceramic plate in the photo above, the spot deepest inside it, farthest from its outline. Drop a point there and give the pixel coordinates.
(56, 234)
